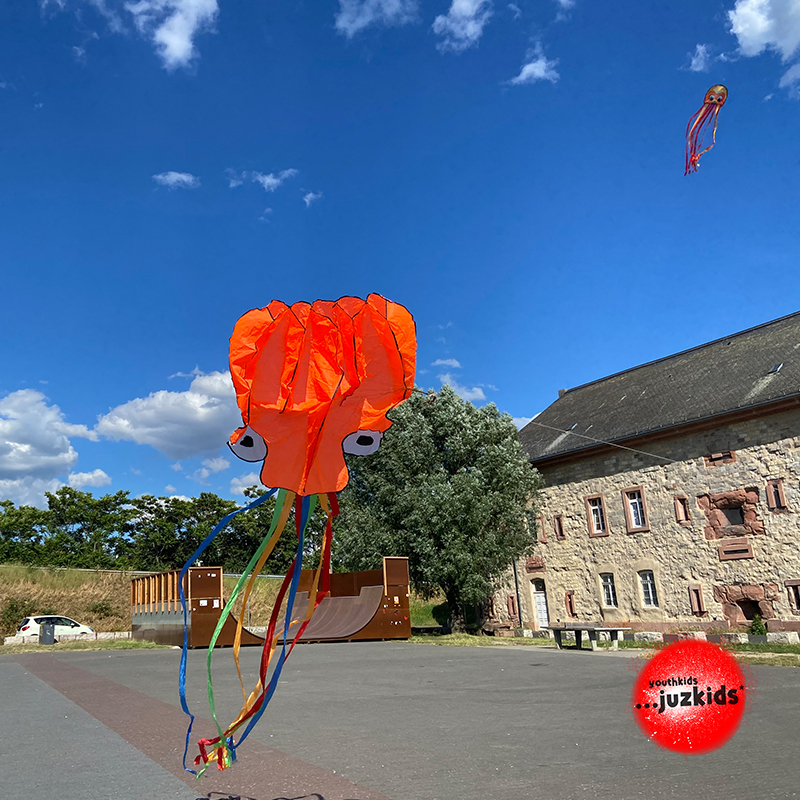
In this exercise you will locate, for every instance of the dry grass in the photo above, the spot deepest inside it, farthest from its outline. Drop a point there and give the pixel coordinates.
(100, 600)
(260, 603)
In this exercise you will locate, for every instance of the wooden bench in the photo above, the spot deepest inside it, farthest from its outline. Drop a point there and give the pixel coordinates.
(590, 630)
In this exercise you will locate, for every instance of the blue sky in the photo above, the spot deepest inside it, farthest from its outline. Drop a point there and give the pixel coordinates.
(512, 173)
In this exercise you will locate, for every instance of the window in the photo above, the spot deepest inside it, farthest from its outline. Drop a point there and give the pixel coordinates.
(682, 510)
(775, 497)
(735, 548)
(793, 588)
(558, 527)
(648, 588)
(635, 513)
(696, 600)
(541, 533)
(512, 606)
(570, 601)
(596, 516)
(735, 516)
(609, 590)
(719, 459)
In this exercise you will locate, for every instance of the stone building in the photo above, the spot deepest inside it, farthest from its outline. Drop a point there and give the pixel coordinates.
(672, 494)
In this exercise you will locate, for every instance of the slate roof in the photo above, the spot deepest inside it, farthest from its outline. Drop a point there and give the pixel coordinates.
(720, 377)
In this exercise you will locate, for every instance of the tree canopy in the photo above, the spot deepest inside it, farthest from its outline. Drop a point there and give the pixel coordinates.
(451, 489)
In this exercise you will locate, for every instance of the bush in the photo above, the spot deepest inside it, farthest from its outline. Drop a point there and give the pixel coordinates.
(102, 609)
(14, 611)
(757, 627)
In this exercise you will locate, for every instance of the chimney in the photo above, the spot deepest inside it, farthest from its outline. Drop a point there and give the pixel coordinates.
(561, 393)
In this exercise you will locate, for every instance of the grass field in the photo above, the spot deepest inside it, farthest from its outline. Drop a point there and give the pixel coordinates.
(119, 644)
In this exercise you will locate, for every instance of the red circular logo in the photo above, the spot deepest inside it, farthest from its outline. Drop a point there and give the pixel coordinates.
(690, 697)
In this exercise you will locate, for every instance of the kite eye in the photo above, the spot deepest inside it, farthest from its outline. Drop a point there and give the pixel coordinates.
(249, 447)
(362, 443)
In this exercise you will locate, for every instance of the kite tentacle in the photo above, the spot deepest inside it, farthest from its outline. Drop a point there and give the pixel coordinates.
(279, 517)
(181, 594)
(254, 708)
(222, 746)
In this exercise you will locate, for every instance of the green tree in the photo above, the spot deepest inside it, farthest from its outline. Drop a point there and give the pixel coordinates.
(22, 531)
(451, 489)
(84, 531)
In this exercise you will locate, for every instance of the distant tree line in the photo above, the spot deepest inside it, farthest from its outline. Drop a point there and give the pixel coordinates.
(149, 533)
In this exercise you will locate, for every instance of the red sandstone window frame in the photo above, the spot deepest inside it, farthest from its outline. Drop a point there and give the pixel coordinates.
(735, 549)
(569, 600)
(682, 513)
(696, 600)
(511, 604)
(720, 459)
(626, 506)
(541, 533)
(793, 593)
(775, 491)
(590, 518)
(558, 527)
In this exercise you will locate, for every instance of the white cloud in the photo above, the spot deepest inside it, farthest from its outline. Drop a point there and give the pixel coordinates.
(172, 26)
(789, 81)
(177, 466)
(234, 178)
(170, 488)
(210, 467)
(265, 215)
(177, 180)
(762, 24)
(35, 447)
(77, 480)
(309, 198)
(699, 60)
(111, 17)
(463, 24)
(515, 9)
(521, 422)
(538, 68)
(28, 491)
(238, 485)
(446, 362)
(355, 15)
(35, 438)
(269, 183)
(566, 3)
(465, 393)
(178, 424)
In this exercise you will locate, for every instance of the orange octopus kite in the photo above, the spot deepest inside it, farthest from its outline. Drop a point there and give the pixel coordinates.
(700, 122)
(313, 382)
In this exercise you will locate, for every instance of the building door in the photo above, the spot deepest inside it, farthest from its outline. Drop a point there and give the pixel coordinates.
(540, 603)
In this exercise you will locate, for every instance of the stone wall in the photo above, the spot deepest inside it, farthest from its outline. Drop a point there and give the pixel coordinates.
(713, 549)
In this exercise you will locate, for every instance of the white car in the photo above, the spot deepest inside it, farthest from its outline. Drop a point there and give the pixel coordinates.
(63, 626)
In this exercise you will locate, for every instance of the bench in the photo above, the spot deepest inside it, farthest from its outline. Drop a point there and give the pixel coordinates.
(590, 630)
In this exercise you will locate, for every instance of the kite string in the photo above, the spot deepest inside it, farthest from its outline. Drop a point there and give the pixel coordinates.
(603, 441)
(184, 650)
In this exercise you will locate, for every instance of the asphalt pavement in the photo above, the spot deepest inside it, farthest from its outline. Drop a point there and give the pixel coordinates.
(380, 721)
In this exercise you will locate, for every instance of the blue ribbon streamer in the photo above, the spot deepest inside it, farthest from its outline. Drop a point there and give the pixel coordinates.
(298, 564)
(197, 553)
